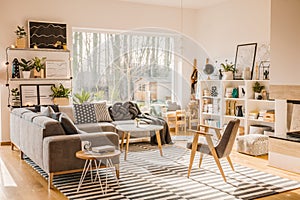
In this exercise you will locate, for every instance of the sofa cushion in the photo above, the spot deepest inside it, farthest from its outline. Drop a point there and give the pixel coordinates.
(47, 111)
(85, 113)
(67, 124)
(124, 111)
(37, 108)
(97, 127)
(102, 113)
(69, 111)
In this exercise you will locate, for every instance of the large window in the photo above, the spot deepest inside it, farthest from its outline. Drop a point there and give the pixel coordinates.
(123, 66)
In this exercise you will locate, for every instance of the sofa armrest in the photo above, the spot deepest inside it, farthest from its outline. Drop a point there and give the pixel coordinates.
(59, 151)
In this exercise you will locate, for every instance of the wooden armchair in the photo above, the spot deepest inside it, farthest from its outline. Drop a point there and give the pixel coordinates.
(220, 150)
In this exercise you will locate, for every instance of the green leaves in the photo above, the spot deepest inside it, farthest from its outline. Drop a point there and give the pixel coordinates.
(26, 65)
(39, 63)
(228, 67)
(20, 32)
(257, 87)
(82, 97)
(60, 91)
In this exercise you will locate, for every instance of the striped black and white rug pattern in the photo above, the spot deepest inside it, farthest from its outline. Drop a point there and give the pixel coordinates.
(147, 175)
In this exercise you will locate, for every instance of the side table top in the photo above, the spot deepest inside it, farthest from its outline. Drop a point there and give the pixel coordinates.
(141, 127)
(90, 155)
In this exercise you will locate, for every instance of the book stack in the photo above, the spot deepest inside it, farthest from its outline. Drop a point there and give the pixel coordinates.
(103, 149)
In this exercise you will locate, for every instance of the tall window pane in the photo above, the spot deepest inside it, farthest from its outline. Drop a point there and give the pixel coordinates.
(120, 67)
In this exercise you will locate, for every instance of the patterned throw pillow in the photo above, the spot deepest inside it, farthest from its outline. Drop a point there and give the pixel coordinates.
(85, 113)
(102, 113)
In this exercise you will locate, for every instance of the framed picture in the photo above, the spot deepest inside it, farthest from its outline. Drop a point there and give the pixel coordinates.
(56, 69)
(45, 93)
(47, 34)
(36, 94)
(29, 95)
(245, 57)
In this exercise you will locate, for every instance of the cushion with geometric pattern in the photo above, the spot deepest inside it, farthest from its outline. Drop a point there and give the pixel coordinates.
(102, 114)
(85, 113)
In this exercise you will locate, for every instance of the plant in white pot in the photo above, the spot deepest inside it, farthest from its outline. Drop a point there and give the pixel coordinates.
(257, 89)
(21, 37)
(60, 95)
(39, 66)
(26, 67)
(15, 93)
(228, 70)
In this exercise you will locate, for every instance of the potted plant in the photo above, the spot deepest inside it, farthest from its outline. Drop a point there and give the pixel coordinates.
(39, 66)
(228, 70)
(82, 97)
(257, 89)
(60, 94)
(15, 93)
(21, 37)
(26, 67)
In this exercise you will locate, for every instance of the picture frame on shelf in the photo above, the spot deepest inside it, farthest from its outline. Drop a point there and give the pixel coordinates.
(56, 69)
(35, 94)
(51, 35)
(245, 57)
(29, 95)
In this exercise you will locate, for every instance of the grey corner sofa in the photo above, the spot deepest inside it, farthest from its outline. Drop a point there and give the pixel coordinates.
(46, 143)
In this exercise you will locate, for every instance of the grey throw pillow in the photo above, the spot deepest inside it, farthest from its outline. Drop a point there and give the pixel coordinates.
(67, 124)
(47, 111)
(85, 113)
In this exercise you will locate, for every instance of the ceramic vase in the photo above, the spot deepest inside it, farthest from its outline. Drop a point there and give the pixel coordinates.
(227, 75)
(26, 74)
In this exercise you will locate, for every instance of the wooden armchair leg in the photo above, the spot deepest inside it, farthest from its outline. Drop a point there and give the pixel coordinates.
(200, 160)
(194, 148)
(230, 163)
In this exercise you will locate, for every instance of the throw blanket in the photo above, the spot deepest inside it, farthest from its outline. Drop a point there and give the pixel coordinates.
(164, 133)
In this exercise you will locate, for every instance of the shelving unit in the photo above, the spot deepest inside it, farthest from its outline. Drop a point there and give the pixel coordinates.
(54, 55)
(226, 104)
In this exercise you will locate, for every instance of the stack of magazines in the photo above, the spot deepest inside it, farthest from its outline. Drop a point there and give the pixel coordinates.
(103, 149)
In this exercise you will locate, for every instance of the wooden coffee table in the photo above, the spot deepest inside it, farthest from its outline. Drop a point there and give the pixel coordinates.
(96, 159)
(127, 128)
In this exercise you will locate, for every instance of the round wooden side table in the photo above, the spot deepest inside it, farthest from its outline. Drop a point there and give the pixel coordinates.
(91, 157)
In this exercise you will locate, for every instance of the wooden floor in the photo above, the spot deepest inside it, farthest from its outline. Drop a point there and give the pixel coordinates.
(18, 181)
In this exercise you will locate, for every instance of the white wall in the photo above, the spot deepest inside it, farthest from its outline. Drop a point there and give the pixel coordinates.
(285, 41)
(222, 27)
(105, 14)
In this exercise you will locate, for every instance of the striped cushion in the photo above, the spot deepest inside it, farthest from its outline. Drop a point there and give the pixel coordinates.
(85, 113)
(102, 114)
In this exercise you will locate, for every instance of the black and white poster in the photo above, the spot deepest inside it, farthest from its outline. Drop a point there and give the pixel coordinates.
(36, 94)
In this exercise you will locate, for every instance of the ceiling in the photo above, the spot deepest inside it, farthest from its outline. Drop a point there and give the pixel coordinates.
(193, 4)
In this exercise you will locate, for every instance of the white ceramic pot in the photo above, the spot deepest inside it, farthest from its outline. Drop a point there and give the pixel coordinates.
(26, 74)
(228, 75)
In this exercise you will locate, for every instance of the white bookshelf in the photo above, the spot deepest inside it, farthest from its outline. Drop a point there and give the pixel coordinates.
(221, 101)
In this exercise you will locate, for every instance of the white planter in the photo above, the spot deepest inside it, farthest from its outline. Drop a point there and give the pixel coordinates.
(256, 95)
(26, 74)
(227, 75)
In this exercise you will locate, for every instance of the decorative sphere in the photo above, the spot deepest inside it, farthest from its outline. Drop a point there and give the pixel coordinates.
(208, 69)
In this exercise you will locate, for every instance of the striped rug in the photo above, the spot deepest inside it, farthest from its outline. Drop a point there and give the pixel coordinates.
(147, 175)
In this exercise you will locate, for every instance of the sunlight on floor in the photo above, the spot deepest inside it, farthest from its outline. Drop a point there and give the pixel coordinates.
(5, 178)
